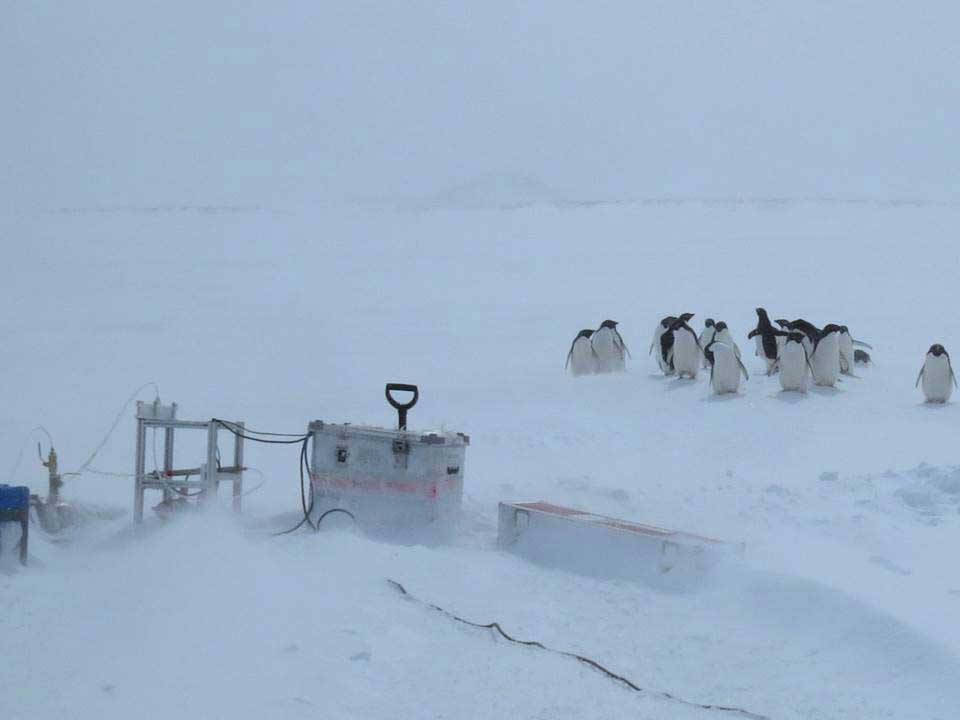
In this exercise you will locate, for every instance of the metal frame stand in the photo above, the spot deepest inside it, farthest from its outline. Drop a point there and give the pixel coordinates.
(175, 482)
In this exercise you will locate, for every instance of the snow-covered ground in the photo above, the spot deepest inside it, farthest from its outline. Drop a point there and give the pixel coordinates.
(846, 600)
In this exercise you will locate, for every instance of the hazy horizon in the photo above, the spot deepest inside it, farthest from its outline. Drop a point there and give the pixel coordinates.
(245, 104)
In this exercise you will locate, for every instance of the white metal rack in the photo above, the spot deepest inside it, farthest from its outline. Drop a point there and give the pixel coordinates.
(173, 482)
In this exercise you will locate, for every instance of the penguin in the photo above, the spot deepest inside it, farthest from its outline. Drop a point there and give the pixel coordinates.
(937, 375)
(686, 349)
(861, 357)
(663, 341)
(611, 351)
(582, 358)
(706, 337)
(825, 360)
(767, 338)
(726, 368)
(846, 351)
(724, 335)
(794, 363)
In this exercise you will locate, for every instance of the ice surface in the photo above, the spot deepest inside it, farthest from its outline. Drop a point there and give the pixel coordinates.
(845, 603)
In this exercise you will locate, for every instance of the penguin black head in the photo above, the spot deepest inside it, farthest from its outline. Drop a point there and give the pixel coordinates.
(680, 323)
(784, 324)
(937, 350)
(795, 336)
(609, 324)
(667, 321)
(830, 328)
(687, 317)
(584, 334)
(709, 323)
(761, 313)
(844, 329)
(720, 326)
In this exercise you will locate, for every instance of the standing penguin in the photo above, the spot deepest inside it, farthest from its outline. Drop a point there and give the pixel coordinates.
(706, 337)
(825, 360)
(582, 358)
(848, 351)
(937, 375)
(726, 368)
(686, 349)
(663, 342)
(610, 349)
(768, 339)
(794, 363)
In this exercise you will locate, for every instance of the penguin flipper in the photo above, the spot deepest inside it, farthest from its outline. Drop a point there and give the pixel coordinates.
(812, 373)
(753, 333)
(954, 377)
(860, 343)
(920, 375)
(742, 368)
(570, 353)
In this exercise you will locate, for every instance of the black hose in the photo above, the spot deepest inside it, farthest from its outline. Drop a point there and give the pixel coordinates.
(304, 463)
(294, 439)
(303, 494)
(616, 677)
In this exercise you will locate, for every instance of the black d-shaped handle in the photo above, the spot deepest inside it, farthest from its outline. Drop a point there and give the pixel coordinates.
(402, 407)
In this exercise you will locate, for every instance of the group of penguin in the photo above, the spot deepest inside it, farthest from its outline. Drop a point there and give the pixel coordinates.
(598, 351)
(682, 353)
(798, 351)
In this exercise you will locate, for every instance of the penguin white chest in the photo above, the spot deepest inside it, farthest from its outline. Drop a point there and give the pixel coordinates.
(794, 373)
(686, 353)
(657, 347)
(583, 361)
(937, 380)
(725, 376)
(726, 337)
(826, 361)
(610, 353)
(846, 353)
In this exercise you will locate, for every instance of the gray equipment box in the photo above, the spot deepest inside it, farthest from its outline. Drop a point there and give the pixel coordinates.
(402, 484)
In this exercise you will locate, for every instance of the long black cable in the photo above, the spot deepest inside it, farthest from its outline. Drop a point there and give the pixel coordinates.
(304, 463)
(255, 432)
(303, 494)
(294, 439)
(581, 658)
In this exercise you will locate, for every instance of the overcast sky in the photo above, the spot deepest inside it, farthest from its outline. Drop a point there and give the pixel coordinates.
(119, 103)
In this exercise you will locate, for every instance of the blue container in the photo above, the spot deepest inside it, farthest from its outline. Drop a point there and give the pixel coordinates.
(14, 497)
(15, 507)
